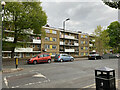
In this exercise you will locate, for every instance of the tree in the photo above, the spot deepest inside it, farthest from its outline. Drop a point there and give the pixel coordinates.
(114, 3)
(114, 33)
(102, 40)
(22, 17)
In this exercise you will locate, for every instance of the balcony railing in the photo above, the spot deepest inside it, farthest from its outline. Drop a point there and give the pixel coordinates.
(10, 39)
(36, 41)
(69, 50)
(90, 45)
(76, 44)
(23, 49)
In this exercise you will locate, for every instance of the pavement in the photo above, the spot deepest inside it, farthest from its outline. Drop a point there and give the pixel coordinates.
(10, 70)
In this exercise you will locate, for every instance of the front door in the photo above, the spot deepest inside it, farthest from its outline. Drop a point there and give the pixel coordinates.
(40, 58)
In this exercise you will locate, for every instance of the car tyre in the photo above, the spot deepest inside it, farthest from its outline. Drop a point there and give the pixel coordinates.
(34, 62)
(49, 61)
(61, 60)
(71, 59)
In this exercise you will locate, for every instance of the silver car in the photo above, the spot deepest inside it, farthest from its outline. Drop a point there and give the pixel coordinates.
(63, 57)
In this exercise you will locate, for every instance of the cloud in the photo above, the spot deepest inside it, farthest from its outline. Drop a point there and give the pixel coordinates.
(84, 16)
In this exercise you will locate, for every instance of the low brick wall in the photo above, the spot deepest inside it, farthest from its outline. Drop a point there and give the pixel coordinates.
(11, 61)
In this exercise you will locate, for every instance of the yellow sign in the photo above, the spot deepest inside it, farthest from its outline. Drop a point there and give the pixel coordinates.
(50, 30)
(84, 53)
(84, 48)
(50, 46)
(50, 39)
(83, 36)
(84, 42)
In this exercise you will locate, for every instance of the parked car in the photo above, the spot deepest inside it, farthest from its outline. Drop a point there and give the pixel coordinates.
(94, 56)
(63, 57)
(44, 57)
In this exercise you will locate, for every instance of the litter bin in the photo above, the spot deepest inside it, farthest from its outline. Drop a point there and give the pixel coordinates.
(105, 79)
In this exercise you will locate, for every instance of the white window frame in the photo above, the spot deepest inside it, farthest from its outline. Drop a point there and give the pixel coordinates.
(47, 38)
(47, 46)
(47, 30)
(54, 32)
(54, 39)
(53, 46)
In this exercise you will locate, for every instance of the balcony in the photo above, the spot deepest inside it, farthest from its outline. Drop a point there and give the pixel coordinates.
(93, 40)
(10, 39)
(68, 37)
(61, 43)
(90, 45)
(36, 41)
(23, 49)
(76, 44)
(69, 50)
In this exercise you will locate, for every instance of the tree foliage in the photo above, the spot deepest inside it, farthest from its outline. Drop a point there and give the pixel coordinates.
(114, 3)
(102, 40)
(22, 17)
(114, 33)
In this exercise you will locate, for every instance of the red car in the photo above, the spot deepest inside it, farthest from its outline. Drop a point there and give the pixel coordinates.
(44, 57)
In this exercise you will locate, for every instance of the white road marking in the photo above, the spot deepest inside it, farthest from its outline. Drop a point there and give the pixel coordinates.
(39, 75)
(89, 86)
(6, 82)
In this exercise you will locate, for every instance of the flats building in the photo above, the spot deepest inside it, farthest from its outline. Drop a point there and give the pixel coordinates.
(54, 42)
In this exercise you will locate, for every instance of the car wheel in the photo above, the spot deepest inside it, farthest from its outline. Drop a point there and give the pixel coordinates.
(61, 60)
(71, 59)
(34, 62)
(49, 61)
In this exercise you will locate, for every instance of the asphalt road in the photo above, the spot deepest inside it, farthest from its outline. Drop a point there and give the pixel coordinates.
(76, 74)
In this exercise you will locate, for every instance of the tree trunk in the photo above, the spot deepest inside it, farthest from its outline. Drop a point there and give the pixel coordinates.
(12, 53)
(15, 37)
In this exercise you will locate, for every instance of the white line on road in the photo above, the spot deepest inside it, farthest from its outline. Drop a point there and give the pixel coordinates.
(39, 75)
(6, 82)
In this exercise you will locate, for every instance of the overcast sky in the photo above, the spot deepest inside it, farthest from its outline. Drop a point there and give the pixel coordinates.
(84, 16)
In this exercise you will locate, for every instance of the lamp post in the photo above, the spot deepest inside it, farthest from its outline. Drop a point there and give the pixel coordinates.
(3, 4)
(64, 33)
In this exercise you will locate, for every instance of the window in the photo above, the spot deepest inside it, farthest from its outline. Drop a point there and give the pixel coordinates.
(47, 46)
(81, 36)
(33, 46)
(53, 39)
(45, 55)
(85, 36)
(81, 48)
(86, 53)
(38, 46)
(54, 32)
(86, 48)
(9, 55)
(47, 39)
(27, 55)
(47, 30)
(41, 55)
(82, 53)
(53, 46)
(81, 42)
(28, 45)
(85, 42)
